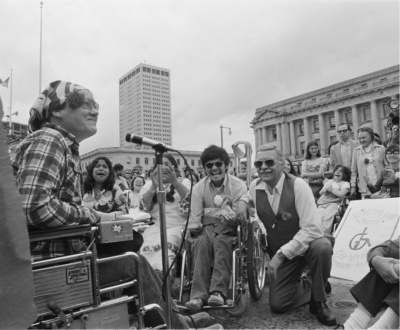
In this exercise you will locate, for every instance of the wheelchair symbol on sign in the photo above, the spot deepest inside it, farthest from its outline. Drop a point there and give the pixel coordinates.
(355, 244)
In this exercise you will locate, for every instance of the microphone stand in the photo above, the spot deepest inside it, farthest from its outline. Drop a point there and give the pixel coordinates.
(159, 151)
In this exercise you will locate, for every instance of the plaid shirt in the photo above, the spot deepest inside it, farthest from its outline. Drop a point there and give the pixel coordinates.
(48, 176)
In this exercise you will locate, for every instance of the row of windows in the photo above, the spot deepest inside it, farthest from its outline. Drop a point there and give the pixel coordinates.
(129, 76)
(155, 71)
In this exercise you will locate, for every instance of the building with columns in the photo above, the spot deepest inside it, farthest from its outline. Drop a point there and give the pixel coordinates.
(293, 122)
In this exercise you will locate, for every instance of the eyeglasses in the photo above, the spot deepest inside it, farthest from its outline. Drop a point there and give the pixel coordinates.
(90, 104)
(210, 165)
(395, 153)
(343, 131)
(269, 163)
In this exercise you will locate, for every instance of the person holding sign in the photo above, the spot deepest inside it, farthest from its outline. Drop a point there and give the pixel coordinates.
(285, 204)
(379, 288)
(368, 161)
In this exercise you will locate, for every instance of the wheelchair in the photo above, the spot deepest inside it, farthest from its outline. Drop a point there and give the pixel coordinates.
(344, 203)
(248, 270)
(67, 290)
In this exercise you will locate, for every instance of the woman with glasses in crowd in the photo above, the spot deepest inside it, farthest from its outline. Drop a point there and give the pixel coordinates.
(367, 162)
(387, 186)
(313, 168)
(175, 216)
(137, 184)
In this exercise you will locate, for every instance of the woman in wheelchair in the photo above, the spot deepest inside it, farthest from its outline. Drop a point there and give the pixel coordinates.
(387, 186)
(331, 195)
(175, 213)
(102, 194)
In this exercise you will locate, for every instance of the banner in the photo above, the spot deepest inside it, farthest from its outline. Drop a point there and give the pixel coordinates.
(366, 223)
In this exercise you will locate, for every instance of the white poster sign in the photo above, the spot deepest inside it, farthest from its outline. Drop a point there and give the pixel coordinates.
(366, 223)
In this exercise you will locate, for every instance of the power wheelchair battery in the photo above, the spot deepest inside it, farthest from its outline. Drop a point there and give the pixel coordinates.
(115, 231)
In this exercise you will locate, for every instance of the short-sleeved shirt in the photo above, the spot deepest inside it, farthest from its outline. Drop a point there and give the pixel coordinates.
(332, 198)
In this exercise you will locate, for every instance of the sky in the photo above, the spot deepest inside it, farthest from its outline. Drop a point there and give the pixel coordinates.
(227, 58)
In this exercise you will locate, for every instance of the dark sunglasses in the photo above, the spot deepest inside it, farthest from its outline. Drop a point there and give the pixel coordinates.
(396, 153)
(269, 163)
(211, 165)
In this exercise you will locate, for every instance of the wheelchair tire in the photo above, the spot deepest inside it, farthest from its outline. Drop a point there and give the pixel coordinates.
(255, 261)
(240, 306)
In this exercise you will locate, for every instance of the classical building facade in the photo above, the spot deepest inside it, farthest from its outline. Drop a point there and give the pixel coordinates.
(145, 104)
(293, 122)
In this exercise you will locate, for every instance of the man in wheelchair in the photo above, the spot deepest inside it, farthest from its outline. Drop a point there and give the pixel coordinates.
(213, 225)
(286, 206)
(48, 175)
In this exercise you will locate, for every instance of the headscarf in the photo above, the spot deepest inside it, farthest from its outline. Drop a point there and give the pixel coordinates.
(50, 100)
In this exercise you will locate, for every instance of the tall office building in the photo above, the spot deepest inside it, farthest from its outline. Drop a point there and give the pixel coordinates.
(145, 104)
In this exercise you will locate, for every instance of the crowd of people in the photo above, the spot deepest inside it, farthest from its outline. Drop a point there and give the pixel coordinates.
(296, 207)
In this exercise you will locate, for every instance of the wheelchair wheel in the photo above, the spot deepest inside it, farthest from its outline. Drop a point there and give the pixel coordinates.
(255, 261)
(240, 305)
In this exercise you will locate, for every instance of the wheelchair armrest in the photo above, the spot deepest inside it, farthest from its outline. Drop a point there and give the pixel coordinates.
(59, 232)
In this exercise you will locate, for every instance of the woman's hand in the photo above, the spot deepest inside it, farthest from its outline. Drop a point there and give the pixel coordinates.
(154, 180)
(367, 180)
(170, 174)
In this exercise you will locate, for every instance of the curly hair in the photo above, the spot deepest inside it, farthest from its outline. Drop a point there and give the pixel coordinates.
(346, 172)
(108, 184)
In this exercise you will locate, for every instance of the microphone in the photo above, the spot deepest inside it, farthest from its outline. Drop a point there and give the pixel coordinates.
(143, 141)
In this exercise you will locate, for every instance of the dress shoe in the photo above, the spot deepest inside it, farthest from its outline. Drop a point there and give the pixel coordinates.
(196, 303)
(216, 299)
(321, 309)
(339, 326)
(198, 320)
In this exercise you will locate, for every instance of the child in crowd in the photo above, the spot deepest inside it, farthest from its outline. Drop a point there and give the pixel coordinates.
(331, 195)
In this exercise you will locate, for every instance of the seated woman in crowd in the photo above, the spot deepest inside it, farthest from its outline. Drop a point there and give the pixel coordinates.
(367, 162)
(289, 168)
(137, 184)
(101, 193)
(175, 216)
(313, 168)
(387, 186)
(379, 288)
(331, 195)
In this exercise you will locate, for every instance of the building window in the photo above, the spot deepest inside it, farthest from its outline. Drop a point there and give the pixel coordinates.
(146, 161)
(274, 134)
(302, 147)
(366, 112)
(349, 117)
(316, 125)
(192, 162)
(301, 128)
(137, 160)
(128, 160)
(331, 120)
(332, 138)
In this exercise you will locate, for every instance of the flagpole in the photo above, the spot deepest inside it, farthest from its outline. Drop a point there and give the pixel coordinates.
(10, 121)
(40, 61)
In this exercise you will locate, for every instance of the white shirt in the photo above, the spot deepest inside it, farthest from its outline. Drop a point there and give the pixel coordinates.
(310, 223)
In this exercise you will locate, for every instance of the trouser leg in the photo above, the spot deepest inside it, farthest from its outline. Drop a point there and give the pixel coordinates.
(289, 290)
(152, 286)
(201, 266)
(222, 248)
(372, 291)
(327, 214)
(319, 259)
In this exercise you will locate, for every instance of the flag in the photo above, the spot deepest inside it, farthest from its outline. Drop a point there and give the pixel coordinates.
(5, 82)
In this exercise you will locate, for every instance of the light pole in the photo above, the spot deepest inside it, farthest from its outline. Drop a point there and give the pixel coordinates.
(222, 135)
(40, 60)
(10, 121)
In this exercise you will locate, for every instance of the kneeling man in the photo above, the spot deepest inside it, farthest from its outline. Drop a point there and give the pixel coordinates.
(213, 222)
(286, 206)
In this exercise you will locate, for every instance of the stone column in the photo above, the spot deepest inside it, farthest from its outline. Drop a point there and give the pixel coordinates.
(306, 122)
(337, 123)
(278, 136)
(256, 138)
(260, 137)
(285, 139)
(356, 122)
(375, 118)
(322, 134)
(265, 134)
(292, 139)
